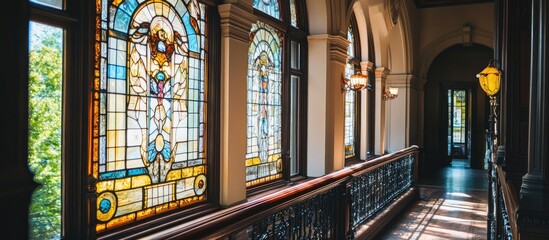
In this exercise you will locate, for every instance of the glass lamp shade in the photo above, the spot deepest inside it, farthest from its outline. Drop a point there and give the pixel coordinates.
(393, 90)
(489, 80)
(358, 81)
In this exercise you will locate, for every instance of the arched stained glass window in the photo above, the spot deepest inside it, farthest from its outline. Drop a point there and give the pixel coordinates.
(271, 7)
(263, 155)
(149, 109)
(350, 99)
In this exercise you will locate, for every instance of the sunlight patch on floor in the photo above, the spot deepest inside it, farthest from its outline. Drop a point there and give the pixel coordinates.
(441, 215)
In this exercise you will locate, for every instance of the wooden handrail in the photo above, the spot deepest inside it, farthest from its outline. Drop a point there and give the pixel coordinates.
(510, 199)
(223, 222)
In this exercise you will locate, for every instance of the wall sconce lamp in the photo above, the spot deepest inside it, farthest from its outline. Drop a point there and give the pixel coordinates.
(356, 82)
(490, 79)
(390, 93)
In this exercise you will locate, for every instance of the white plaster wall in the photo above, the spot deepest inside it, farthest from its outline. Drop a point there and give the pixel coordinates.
(316, 109)
(316, 11)
(398, 113)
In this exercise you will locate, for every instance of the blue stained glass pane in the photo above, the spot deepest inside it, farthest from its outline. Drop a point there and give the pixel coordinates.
(191, 33)
(121, 21)
(128, 6)
(113, 175)
(112, 71)
(120, 72)
(117, 72)
(137, 171)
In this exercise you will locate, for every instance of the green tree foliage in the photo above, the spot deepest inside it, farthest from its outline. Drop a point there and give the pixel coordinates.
(45, 109)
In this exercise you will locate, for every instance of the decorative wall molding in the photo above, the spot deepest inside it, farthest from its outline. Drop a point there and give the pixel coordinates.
(236, 21)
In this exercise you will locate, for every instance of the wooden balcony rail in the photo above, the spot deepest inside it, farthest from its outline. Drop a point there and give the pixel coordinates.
(355, 202)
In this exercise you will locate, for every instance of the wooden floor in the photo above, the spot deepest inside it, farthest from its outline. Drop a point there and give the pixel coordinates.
(452, 205)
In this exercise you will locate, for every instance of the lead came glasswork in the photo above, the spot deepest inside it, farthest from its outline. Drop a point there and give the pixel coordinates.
(263, 159)
(149, 105)
(350, 99)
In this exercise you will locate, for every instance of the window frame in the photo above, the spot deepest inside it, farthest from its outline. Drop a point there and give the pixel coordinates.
(355, 62)
(73, 116)
(297, 34)
(371, 97)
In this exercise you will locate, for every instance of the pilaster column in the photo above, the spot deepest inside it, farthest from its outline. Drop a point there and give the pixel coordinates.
(325, 116)
(381, 79)
(398, 112)
(534, 193)
(366, 67)
(236, 20)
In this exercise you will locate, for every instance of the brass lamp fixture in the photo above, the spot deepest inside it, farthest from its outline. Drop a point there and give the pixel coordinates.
(356, 82)
(390, 93)
(490, 78)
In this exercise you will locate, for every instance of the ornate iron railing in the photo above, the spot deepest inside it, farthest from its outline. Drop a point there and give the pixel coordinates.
(372, 190)
(501, 199)
(333, 206)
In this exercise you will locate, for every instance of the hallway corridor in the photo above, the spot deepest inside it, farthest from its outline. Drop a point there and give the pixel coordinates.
(452, 205)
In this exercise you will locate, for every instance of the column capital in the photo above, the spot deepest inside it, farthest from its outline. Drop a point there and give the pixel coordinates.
(366, 66)
(236, 20)
(338, 48)
(382, 72)
(337, 45)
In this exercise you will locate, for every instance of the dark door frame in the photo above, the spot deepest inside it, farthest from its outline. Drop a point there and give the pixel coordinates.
(472, 87)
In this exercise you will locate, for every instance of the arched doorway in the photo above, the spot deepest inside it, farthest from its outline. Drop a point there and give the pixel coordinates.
(455, 113)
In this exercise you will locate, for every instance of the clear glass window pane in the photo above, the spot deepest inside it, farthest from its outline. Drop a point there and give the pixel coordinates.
(50, 3)
(45, 121)
(294, 164)
(295, 55)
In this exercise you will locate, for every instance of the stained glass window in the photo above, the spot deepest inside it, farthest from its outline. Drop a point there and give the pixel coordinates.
(149, 129)
(457, 122)
(350, 98)
(293, 13)
(263, 154)
(270, 7)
